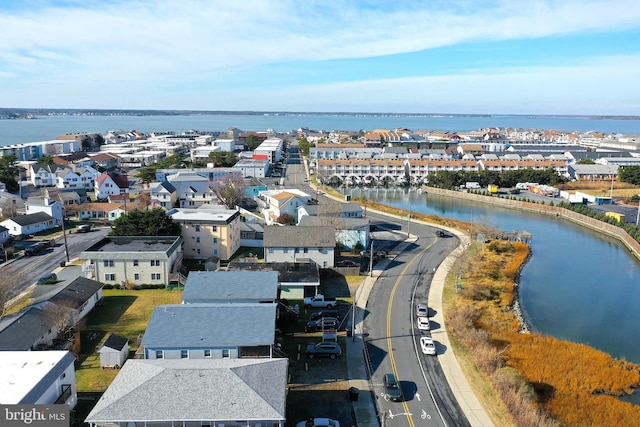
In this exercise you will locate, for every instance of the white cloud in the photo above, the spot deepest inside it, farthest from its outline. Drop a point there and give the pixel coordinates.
(96, 47)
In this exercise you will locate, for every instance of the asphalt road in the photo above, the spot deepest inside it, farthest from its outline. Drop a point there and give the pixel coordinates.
(390, 321)
(25, 270)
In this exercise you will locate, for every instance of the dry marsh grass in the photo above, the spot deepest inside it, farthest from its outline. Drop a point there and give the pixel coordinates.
(542, 381)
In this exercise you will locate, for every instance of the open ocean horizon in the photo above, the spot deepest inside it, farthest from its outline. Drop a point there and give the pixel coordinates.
(45, 128)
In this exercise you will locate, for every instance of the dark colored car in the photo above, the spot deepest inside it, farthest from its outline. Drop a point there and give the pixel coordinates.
(392, 387)
(322, 324)
(441, 233)
(347, 263)
(324, 349)
(49, 278)
(324, 313)
(36, 248)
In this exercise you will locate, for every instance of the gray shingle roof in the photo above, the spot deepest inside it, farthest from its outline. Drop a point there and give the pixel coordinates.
(191, 326)
(337, 223)
(22, 330)
(225, 286)
(299, 237)
(76, 293)
(194, 390)
(34, 218)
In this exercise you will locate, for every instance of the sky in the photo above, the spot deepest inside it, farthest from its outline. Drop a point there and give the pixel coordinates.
(436, 56)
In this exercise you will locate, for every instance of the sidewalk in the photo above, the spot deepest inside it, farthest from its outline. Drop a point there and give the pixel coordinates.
(365, 408)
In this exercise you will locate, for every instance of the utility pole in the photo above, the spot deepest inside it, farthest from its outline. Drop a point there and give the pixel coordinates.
(409, 218)
(64, 233)
(371, 260)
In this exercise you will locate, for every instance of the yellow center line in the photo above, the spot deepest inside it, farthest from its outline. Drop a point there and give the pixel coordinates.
(389, 343)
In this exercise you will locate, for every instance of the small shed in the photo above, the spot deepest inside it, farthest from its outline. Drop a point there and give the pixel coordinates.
(114, 352)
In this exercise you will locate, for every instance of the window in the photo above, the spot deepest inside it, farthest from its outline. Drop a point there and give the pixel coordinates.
(197, 239)
(155, 276)
(214, 228)
(306, 250)
(159, 354)
(136, 276)
(184, 354)
(207, 353)
(135, 262)
(215, 252)
(225, 353)
(215, 240)
(109, 277)
(108, 263)
(155, 263)
(197, 228)
(198, 251)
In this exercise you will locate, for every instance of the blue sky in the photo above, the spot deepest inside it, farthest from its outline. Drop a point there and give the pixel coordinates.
(436, 56)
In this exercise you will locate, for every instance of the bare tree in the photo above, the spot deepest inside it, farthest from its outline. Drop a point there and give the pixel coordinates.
(59, 315)
(141, 202)
(229, 191)
(11, 280)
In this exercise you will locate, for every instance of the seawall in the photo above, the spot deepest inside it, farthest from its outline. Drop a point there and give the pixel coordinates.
(552, 211)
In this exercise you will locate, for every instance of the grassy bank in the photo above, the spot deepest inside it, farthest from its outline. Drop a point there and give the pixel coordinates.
(539, 379)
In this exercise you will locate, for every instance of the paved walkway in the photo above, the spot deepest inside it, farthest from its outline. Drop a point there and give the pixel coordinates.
(364, 408)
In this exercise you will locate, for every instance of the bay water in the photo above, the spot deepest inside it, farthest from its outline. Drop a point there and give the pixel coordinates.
(578, 285)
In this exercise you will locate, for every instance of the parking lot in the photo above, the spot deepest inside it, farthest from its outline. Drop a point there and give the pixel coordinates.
(318, 387)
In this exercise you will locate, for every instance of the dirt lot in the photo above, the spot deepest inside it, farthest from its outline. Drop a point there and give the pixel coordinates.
(319, 387)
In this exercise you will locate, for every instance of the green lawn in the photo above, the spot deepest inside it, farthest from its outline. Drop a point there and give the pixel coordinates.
(124, 313)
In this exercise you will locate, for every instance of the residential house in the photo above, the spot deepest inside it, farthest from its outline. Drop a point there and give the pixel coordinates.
(163, 195)
(49, 206)
(68, 197)
(248, 393)
(38, 378)
(253, 187)
(254, 168)
(231, 287)
(28, 329)
(300, 244)
(42, 175)
(210, 331)
(29, 224)
(136, 260)
(296, 280)
(80, 296)
(192, 189)
(109, 183)
(79, 158)
(106, 161)
(274, 203)
(99, 211)
(114, 352)
(331, 209)
(208, 232)
(251, 234)
(80, 177)
(350, 233)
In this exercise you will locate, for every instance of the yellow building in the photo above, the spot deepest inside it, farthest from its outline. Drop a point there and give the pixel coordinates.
(208, 232)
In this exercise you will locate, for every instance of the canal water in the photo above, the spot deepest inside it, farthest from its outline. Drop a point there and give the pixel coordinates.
(579, 285)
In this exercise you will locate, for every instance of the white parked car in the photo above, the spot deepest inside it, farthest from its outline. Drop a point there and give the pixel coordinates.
(423, 324)
(318, 422)
(428, 347)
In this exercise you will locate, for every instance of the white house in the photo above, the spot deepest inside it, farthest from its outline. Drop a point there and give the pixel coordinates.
(81, 177)
(273, 203)
(38, 377)
(29, 224)
(163, 195)
(46, 175)
(109, 184)
(53, 208)
(300, 244)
